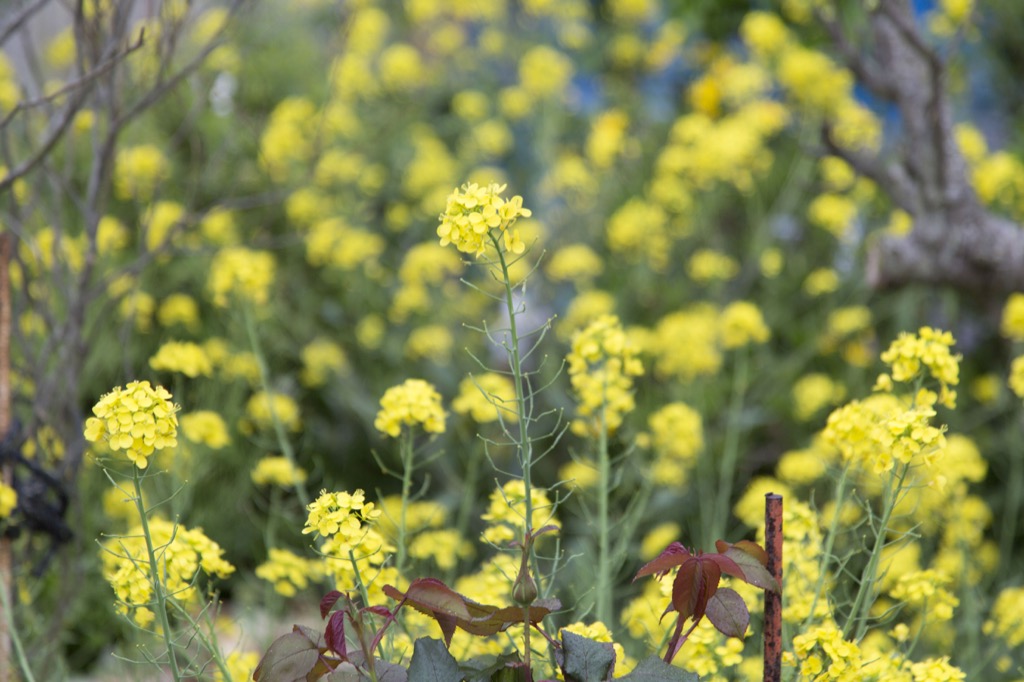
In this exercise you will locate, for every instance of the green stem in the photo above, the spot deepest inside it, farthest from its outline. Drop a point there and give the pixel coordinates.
(282, 437)
(155, 577)
(859, 612)
(12, 632)
(523, 445)
(830, 540)
(1008, 528)
(604, 587)
(406, 447)
(730, 453)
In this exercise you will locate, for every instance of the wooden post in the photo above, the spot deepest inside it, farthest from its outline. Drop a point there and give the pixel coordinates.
(6, 562)
(773, 600)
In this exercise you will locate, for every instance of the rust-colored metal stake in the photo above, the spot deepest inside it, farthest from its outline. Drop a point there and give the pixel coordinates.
(773, 600)
(7, 475)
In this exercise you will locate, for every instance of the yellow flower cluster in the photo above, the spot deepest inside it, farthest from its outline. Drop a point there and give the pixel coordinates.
(444, 547)
(1016, 379)
(677, 436)
(576, 263)
(263, 408)
(178, 309)
(1004, 621)
(321, 358)
(8, 500)
(138, 171)
(695, 329)
(206, 427)
(356, 551)
(472, 215)
(930, 348)
(277, 470)
(602, 365)
(240, 664)
(184, 553)
(1011, 325)
(241, 272)
(708, 265)
(411, 403)
(638, 231)
(880, 429)
(814, 391)
(138, 419)
(823, 654)
(486, 397)
(424, 266)
(288, 572)
(741, 324)
(928, 592)
(182, 356)
(506, 512)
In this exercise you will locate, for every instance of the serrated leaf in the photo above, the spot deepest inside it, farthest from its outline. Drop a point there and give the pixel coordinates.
(695, 583)
(727, 612)
(431, 662)
(653, 669)
(484, 669)
(290, 657)
(673, 555)
(334, 635)
(751, 569)
(584, 660)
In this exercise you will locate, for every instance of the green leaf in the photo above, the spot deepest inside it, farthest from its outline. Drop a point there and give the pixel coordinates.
(485, 669)
(653, 669)
(431, 662)
(584, 660)
(291, 657)
(728, 613)
(749, 562)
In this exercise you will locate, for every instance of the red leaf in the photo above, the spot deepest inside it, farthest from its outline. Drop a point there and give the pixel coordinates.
(728, 613)
(695, 583)
(382, 611)
(749, 567)
(672, 556)
(334, 635)
(328, 602)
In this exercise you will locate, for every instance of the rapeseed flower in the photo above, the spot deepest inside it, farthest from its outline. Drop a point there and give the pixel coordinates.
(910, 354)
(486, 397)
(414, 402)
(741, 323)
(241, 272)
(138, 419)
(185, 357)
(1016, 379)
(506, 512)
(263, 408)
(288, 572)
(178, 309)
(8, 500)
(1012, 324)
(576, 263)
(677, 437)
(206, 427)
(472, 215)
(602, 365)
(277, 470)
(321, 359)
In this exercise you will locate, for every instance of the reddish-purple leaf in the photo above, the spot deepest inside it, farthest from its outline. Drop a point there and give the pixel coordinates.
(382, 611)
(695, 583)
(672, 556)
(749, 567)
(728, 613)
(328, 602)
(749, 546)
(334, 635)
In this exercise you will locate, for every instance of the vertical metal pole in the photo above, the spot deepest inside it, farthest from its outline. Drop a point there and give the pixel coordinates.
(773, 600)
(6, 563)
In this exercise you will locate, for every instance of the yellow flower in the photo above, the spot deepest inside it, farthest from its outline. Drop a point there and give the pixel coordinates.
(929, 348)
(443, 546)
(139, 170)
(544, 71)
(814, 391)
(414, 402)
(833, 213)
(263, 408)
(576, 263)
(741, 324)
(707, 265)
(182, 356)
(8, 500)
(206, 427)
(486, 397)
(289, 572)
(601, 366)
(178, 309)
(1012, 324)
(138, 419)
(821, 281)
(240, 664)
(276, 470)
(677, 436)
(477, 215)
(1016, 380)
(321, 358)
(241, 272)
(506, 512)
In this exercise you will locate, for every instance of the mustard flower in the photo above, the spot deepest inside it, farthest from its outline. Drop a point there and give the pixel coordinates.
(486, 397)
(240, 664)
(764, 33)
(160, 219)
(576, 263)
(184, 554)
(584, 309)
(430, 342)
(182, 356)
(355, 551)
(814, 391)
(801, 467)
(1004, 621)
(414, 402)
(1016, 379)
(506, 512)
(340, 514)
(472, 215)
(638, 231)
(8, 500)
(658, 538)
(695, 329)
(288, 572)
(771, 262)
(219, 227)
(111, 235)
(241, 272)
(263, 408)
(138, 419)
(321, 358)
(277, 470)
(444, 547)
(602, 365)
(178, 309)
(579, 474)
(708, 265)
(929, 349)
(139, 170)
(741, 324)
(926, 591)
(206, 427)
(677, 436)
(823, 653)
(1012, 324)
(936, 670)
(834, 213)
(544, 71)
(419, 515)
(821, 281)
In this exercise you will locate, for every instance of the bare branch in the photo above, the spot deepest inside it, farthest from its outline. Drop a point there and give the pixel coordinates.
(18, 20)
